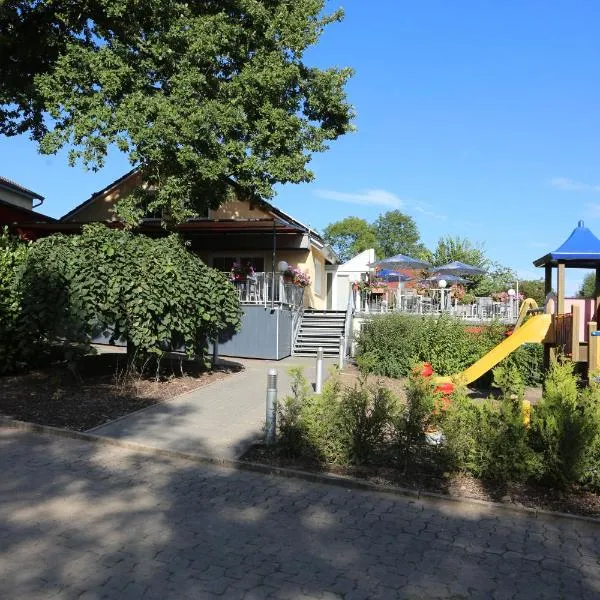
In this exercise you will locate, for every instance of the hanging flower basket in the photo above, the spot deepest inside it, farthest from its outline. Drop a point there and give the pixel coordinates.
(295, 276)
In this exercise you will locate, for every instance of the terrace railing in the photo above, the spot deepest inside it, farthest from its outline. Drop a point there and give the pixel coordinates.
(481, 310)
(262, 289)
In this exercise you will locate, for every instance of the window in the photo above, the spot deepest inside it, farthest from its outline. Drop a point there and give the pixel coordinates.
(224, 263)
(318, 278)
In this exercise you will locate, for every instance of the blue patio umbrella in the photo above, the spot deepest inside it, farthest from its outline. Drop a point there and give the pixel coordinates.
(390, 275)
(447, 277)
(400, 261)
(459, 268)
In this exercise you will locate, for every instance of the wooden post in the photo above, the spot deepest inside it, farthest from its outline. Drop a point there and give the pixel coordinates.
(560, 288)
(575, 321)
(597, 295)
(549, 352)
(548, 279)
(592, 348)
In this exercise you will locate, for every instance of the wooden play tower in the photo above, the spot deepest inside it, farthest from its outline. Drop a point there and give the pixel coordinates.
(574, 328)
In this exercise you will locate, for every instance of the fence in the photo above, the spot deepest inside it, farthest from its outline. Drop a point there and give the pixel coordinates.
(262, 289)
(482, 309)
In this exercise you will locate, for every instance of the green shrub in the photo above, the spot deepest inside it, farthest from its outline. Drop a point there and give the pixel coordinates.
(490, 439)
(414, 418)
(565, 428)
(461, 425)
(366, 416)
(507, 378)
(309, 424)
(291, 433)
(343, 426)
(505, 454)
(529, 360)
(153, 293)
(12, 256)
(391, 343)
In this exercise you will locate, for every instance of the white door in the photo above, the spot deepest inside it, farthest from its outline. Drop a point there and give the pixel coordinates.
(343, 289)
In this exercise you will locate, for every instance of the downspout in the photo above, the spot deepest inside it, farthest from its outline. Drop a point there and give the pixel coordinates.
(273, 267)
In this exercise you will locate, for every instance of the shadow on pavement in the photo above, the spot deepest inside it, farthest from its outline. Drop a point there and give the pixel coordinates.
(82, 520)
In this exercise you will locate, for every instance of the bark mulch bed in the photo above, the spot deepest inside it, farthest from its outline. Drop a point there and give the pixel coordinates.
(97, 392)
(573, 501)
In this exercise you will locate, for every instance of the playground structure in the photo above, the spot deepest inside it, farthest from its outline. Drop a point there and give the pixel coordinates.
(566, 326)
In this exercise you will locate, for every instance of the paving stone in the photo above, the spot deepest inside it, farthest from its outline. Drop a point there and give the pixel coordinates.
(88, 521)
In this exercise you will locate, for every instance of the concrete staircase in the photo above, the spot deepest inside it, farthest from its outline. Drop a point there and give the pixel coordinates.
(320, 328)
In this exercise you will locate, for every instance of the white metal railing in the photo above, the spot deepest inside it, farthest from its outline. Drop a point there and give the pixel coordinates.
(482, 309)
(259, 289)
(348, 325)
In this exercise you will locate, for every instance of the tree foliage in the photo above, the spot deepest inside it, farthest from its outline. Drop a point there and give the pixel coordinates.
(533, 288)
(453, 248)
(392, 233)
(588, 286)
(153, 293)
(350, 236)
(397, 233)
(199, 94)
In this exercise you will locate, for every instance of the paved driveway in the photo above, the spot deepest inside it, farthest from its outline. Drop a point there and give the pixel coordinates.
(220, 420)
(79, 520)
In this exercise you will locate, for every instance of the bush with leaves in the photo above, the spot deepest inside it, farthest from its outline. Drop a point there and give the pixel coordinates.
(342, 426)
(490, 439)
(366, 416)
(153, 293)
(390, 344)
(417, 415)
(12, 256)
(565, 428)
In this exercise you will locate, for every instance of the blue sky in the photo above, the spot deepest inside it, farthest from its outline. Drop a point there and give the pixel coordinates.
(479, 119)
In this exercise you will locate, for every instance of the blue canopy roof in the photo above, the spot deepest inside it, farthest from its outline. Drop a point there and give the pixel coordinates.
(400, 261)
(391, 275)
(459, 268)
(580, 250)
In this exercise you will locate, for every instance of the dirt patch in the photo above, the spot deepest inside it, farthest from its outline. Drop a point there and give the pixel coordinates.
(574, 501)
(96, 392)
(349, 377)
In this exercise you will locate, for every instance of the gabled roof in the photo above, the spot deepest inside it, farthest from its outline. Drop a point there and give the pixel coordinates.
(99, 193)
(280, 216)
(24, 214)
(19, 189)
(580, 250)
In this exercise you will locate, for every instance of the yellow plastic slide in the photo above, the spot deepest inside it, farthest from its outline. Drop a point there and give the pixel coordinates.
(533, 331)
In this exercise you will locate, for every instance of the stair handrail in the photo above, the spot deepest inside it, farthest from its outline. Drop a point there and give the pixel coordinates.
(348, 323)
(296, 324)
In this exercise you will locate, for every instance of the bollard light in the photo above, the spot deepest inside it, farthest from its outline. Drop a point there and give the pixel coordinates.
(319, 378)
(342, 351)
(271, 416)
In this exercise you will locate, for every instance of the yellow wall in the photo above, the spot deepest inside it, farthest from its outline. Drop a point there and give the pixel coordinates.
(306, 262)
(238, 209)
(303, 259)
(102, 209)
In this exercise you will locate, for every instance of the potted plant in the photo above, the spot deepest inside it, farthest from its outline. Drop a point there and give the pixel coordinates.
(241, 272)
(296, 276)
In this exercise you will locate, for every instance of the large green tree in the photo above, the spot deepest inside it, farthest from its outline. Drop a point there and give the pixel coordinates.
(451, 248)
(533, 288)
(392, 233)
(199, 94)
(350, 236)
(397, 233)
(588, 286)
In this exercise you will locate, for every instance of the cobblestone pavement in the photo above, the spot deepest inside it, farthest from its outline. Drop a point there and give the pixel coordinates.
(80, 520)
